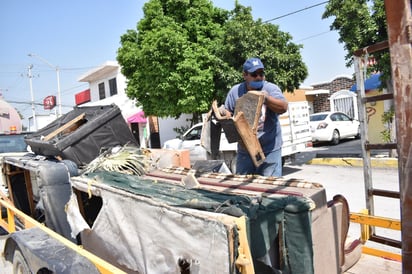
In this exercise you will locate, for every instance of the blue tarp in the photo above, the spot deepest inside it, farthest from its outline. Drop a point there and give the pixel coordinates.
(371, 83)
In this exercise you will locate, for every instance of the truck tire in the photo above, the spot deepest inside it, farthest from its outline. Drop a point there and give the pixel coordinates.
(20, 265)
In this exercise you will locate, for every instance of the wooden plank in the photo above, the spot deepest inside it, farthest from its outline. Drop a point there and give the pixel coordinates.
(381, 146)
(380, 97)
(64, 127)
(372, 48)
(251, 106)
(242, 127)
(29, 190)
(249, 139)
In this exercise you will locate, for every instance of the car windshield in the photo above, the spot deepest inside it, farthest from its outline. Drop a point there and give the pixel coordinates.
(194, 134)
(12, 143)
(317, 117)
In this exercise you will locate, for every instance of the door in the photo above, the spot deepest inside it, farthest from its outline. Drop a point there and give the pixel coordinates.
(345, 101)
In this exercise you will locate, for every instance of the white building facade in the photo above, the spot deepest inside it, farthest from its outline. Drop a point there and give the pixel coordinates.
(107, 85)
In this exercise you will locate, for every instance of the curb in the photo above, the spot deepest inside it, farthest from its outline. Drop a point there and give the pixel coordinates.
(358, 162)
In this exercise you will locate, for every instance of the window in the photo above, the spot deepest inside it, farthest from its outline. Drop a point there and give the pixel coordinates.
(194, 134)
(113, 86)
(102, 93)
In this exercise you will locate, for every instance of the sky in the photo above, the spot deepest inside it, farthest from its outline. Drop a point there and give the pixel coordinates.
(77, 36)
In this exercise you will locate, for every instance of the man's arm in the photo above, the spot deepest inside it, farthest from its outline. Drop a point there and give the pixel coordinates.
(276, 105)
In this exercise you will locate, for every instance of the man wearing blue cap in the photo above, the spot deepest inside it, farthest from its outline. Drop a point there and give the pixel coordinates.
(269, 131)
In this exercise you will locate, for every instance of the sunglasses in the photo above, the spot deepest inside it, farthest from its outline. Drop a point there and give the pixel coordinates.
(255, 74)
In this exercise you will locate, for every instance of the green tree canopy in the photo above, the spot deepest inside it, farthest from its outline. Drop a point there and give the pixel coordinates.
(187, 53)
(245, 38)
(359, 24)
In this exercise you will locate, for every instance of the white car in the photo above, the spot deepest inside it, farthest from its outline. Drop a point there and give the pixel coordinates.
(191, 140)
(333, 127)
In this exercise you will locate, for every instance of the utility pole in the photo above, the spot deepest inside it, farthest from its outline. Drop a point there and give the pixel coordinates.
(32, 98)
(59, 98)
(399, 22)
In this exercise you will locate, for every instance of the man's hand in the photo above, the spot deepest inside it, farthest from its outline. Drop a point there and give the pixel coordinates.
(223, 111)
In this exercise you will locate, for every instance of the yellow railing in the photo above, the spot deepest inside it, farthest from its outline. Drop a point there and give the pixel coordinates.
(366, 221)
(8, 223)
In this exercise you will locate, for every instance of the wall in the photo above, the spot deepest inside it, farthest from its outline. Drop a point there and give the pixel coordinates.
(42, 120)
(374, 115)
(166, 126)
(321, 101)
(9, 118)
(297, 95)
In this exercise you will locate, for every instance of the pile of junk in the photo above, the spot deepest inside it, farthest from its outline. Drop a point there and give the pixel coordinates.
(92, 184)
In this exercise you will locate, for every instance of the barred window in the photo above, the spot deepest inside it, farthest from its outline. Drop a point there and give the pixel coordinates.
(113, 86)
(102, 93)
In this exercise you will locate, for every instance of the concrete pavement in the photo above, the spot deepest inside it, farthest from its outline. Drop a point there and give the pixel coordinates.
(347, 153)
(358, 162)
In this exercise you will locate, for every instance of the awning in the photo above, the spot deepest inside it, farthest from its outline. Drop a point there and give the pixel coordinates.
(317, 91)
(138, 117)
(373, 82)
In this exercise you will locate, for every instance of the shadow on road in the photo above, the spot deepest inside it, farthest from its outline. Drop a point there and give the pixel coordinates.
(287, 170)
(346, 148)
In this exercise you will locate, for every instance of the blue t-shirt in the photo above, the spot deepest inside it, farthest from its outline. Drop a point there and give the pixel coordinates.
(269, 131)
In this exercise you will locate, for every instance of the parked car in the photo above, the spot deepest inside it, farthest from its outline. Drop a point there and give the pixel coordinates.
(191, 140)
(333, 127)
(11, 145)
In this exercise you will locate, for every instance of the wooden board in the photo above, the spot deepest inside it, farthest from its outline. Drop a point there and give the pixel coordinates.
(242, 127)
(64, 127)
(249, 139)
(251, 106)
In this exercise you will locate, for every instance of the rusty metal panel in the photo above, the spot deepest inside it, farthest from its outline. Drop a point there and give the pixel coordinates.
(398, 15)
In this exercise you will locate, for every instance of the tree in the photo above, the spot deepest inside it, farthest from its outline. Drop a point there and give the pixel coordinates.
(169, 62)
(247, 38)
(187, 53)
(360, 23)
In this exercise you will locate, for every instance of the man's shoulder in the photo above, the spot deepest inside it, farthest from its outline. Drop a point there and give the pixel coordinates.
(236, 86)
(270, 86)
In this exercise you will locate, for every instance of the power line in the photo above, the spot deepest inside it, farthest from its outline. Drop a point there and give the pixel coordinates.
(312, 36)
(293, 12)
(29, 103)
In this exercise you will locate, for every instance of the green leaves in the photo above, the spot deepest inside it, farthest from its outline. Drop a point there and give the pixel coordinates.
(185, 54)
(360, 23)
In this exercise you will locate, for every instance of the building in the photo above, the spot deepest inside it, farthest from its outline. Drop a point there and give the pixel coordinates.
(376, 110)
(107, 85)
(10, 121)
(339, 94)
(333, 95)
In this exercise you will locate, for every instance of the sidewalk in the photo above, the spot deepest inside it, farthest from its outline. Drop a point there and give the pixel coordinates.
(358, 162)
(347, 153)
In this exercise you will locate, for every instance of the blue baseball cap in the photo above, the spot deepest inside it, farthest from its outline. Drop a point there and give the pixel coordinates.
(252, 64)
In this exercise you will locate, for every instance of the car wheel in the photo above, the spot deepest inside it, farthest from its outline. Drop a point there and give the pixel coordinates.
(20, 265)
(335, 137)
(357, 136)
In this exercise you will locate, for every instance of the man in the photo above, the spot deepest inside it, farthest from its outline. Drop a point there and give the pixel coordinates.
(269, 131)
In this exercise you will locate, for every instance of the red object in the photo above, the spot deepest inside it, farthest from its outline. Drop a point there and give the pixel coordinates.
(137, 118)
(82, 97)
(49, 102)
